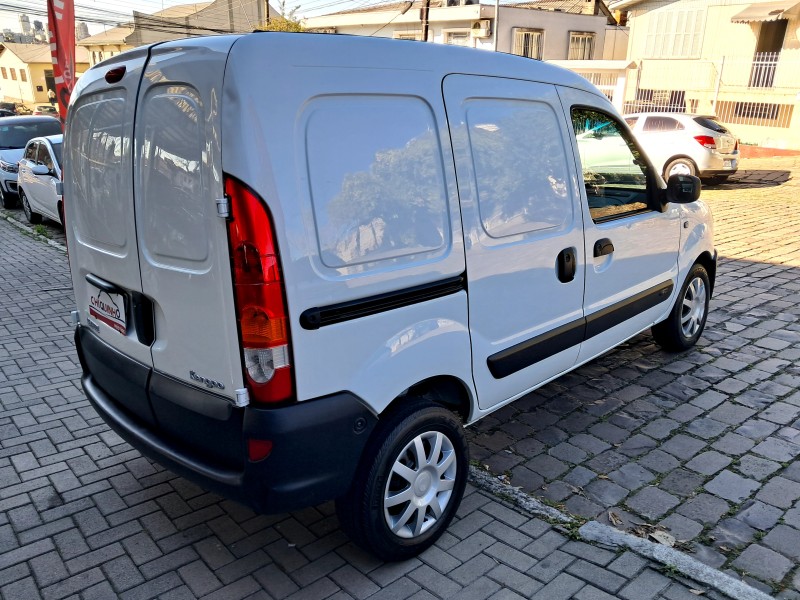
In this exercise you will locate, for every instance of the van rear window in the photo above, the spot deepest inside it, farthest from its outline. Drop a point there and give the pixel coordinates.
(99, 157)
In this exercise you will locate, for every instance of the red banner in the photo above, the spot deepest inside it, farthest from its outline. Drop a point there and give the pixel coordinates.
(61, 28)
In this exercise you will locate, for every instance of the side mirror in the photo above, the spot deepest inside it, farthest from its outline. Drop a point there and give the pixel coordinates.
(40, 170)
(683, 189)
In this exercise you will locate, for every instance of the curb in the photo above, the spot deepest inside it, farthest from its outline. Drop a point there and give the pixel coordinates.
(608, 536)
(29, 230)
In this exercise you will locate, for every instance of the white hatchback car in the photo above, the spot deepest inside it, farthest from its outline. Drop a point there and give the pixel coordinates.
(686, 144)
(38, 179)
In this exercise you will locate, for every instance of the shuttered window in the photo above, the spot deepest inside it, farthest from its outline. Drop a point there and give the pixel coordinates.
(528, 42)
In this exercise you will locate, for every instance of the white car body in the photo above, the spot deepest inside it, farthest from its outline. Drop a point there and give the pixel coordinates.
(40, 174)
(393, 222)
(15, 132)
(686, 144)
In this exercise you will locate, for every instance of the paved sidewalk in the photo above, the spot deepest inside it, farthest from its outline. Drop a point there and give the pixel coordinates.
(82, 515)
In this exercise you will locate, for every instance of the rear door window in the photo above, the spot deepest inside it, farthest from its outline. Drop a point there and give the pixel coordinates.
(662, 124)
(710, 124)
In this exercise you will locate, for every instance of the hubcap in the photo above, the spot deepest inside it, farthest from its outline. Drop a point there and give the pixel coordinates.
(680, 169)
(420, 484)
(26, 208)
(694, 307)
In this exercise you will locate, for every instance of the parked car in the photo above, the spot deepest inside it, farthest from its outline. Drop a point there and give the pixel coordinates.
(46, 109)
(6, 113)
(686, 144)
(39, 178)
(297, 294)
(15, 107)
(15, 132)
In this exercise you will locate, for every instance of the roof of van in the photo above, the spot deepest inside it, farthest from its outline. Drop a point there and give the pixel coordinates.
(347, 51)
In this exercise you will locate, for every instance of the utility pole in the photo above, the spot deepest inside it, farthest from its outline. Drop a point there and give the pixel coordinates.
(424, 15)
(267, 3)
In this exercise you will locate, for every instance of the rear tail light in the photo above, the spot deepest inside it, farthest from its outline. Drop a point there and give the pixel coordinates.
(259, 296)
(706, 141)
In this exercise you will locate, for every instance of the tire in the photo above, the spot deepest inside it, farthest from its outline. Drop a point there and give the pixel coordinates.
(419, 511)
(685, 323)
(33, 218)
(7, 200)
(680, 166)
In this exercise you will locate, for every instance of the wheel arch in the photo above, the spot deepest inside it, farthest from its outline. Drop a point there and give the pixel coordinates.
(710, 266)
(445, 390)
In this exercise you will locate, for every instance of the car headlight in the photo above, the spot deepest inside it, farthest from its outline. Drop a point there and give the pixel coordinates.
(8, 167)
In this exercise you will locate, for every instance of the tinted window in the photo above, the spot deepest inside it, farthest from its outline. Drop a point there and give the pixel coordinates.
(520, 166)
(172, 192)
(384, 197)
(57, 152)
(98, 154)
(710, 124)
(30, 152)
(661, 124)
(43, 157)
(614, 173)
(19, 134)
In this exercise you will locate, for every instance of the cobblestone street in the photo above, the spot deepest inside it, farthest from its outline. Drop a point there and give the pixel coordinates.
(702, 444)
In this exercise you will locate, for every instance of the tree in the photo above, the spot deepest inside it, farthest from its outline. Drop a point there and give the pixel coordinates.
(285, 21)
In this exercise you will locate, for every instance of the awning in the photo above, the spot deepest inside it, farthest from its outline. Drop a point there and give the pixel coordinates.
(767, 11)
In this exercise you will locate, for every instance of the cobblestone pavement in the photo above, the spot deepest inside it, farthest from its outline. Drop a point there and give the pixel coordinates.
(703, 442)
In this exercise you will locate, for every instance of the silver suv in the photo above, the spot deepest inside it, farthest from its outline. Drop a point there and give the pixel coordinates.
(686, 144)
(15, 132)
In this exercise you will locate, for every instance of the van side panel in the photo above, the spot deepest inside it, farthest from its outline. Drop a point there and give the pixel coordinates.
(356, 168)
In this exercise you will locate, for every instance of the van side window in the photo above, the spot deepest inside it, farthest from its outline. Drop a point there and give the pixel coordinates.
(376, 179)
(520, 166)
(614, 173)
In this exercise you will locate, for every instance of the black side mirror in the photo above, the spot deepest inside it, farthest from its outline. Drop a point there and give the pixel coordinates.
(683, 189)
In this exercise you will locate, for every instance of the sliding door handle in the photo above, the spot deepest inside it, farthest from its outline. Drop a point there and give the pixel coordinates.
(566, 265)
(603, 247)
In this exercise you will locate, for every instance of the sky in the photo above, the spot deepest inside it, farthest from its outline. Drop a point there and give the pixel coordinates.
(109, 12)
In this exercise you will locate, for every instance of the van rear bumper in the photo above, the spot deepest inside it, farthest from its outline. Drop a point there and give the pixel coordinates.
(316, 444)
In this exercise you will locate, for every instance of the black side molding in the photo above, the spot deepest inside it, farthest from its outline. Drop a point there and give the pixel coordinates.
(523, 355)
(314, 318)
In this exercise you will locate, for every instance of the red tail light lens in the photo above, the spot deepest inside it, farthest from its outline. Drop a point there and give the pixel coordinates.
(706, 141)
(260, 303)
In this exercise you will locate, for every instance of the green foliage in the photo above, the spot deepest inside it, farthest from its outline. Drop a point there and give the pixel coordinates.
(287, 20)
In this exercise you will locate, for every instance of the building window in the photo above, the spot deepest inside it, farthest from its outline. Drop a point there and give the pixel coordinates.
(581, 45)
(408, 35)
(528, 42)
(23, 75)
(13, 74)
(457, 38)
(675, 33)
(3, 70)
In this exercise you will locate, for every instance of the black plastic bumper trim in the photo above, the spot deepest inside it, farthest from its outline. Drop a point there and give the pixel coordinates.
(523, 355)
(314, 318)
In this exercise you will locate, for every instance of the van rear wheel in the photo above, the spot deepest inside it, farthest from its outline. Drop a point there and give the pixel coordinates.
(410, 483)
(686, 321)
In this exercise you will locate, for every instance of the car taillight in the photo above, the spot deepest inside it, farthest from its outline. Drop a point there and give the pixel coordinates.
(258, 291)
(736, 146)
(706, 141)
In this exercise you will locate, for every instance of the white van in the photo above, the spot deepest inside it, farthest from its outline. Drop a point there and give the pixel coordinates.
(303, 262)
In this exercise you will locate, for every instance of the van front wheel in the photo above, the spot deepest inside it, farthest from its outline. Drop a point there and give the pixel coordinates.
(684, 325)
(410, 484)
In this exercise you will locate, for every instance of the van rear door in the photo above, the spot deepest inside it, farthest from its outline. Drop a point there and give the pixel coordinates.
(182, 242)
(98, 195)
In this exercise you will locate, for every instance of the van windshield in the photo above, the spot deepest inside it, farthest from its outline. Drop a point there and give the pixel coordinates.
(18, 134)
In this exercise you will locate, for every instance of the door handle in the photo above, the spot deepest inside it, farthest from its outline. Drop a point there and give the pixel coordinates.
(566, 265)
(603, 247)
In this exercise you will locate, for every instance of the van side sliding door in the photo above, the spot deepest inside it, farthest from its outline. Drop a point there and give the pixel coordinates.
(523, 231)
